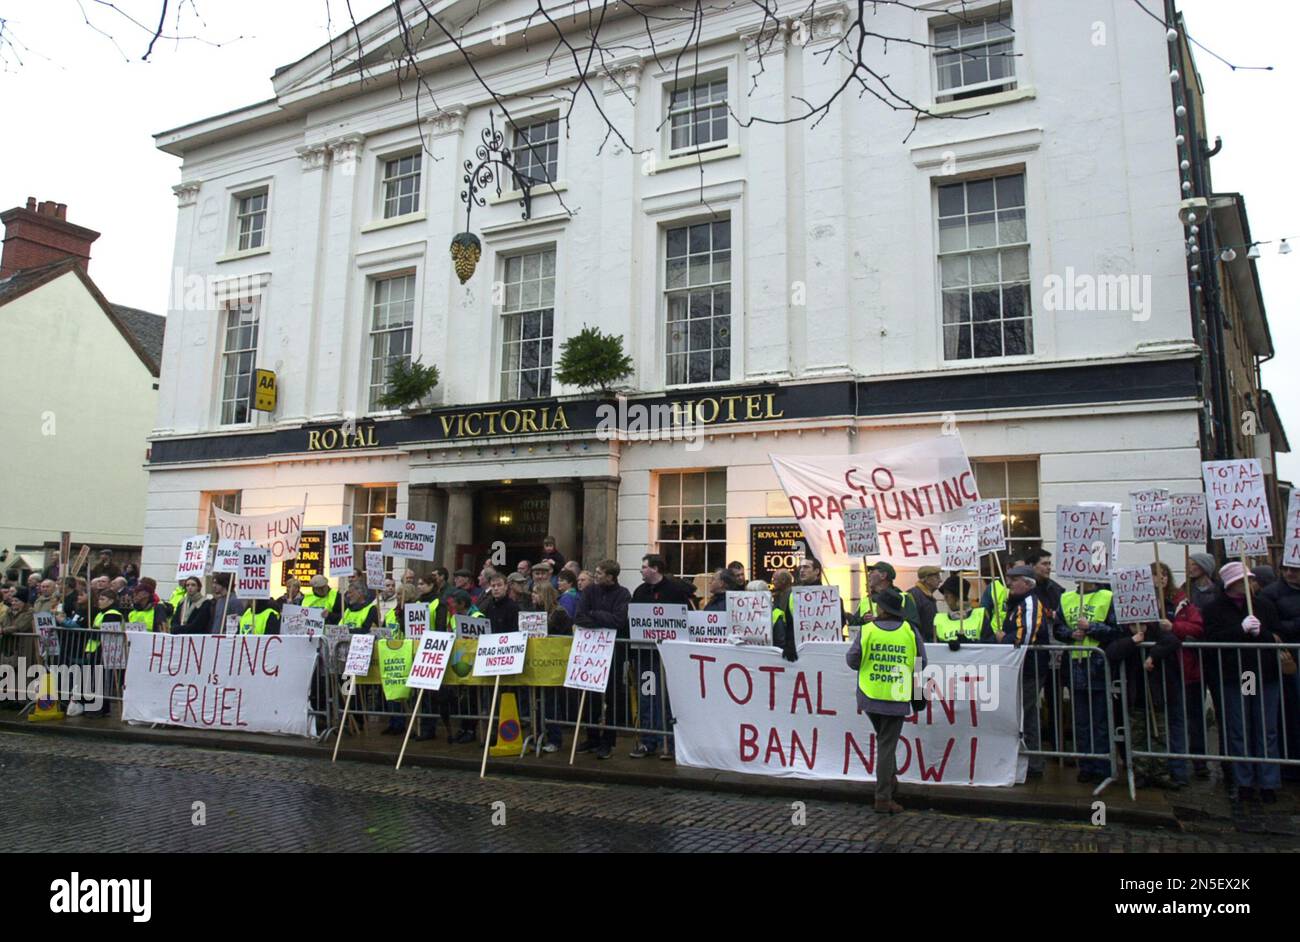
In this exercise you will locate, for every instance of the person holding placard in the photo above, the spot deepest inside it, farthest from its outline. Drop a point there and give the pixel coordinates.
(961, 622)
(657, 587)
(224, 601)
(144, 614)
(1250, 684)
(558, 622)
(1200, 585)
(928, 579)
(1285, 595)
(320, 595)
(604, 605)
(17, 632)
(358, 615)
(1184, 620)
(880, 576)
(266, 621)
(105, 614)
(1024, 620)
(1089, 624)
(458, 603)
(885, 653)
(1046, 588)
(194, 615)
(292, 594)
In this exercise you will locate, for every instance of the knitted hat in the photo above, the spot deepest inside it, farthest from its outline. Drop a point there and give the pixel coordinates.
(1233, 572)
(1205, 561)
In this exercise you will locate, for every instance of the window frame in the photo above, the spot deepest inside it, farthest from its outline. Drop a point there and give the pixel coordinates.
(523, 123)
(240, 216)
(235, 195)
(359, 546)
(227, 305)
(726, 73)
(982, 16)
(382, 161)
(1034, 341)
(1028, 543)
(510, 391)
(372, 285)
(661, 543)
(666, 294)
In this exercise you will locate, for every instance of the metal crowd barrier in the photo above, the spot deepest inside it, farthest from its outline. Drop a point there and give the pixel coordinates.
(1076, 705)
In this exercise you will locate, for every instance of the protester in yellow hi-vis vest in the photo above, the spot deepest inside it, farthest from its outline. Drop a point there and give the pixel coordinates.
(265, 622)
(887, 654)
(881, 576)
(960, 623)
(1094, 628)
(144, 614)
(106, 614)
(322, 596)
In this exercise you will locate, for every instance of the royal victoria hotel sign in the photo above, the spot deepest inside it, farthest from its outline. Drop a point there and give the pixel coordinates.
(657, 417)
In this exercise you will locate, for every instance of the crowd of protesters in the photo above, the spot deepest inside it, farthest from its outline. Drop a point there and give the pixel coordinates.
(1171, 691)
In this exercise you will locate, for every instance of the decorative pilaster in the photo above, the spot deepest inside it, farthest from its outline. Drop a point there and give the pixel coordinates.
(187, 194)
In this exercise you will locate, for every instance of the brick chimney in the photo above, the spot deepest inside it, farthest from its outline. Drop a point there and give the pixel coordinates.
(40, 234)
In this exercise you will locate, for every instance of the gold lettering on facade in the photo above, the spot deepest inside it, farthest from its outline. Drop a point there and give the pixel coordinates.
(446, 424)
(529, 423)
(713, 416)
(510, 421)
(313, 440)
(771, 408)
(561, 423)
(465, 424)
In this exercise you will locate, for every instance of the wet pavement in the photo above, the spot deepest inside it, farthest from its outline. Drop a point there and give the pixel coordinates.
(71, 794)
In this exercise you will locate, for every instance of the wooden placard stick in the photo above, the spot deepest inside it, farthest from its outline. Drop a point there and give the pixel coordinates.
(352, 684)
(577, 727)
(487, 740)
(410, 725)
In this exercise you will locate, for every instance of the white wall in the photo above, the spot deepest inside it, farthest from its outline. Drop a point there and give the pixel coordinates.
(79, 406)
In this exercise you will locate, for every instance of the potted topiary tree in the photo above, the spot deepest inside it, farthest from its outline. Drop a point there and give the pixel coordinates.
(593, 360)
(409, 385)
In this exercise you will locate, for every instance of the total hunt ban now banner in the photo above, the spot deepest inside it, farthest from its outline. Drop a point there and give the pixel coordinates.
(746, 709)
(279, 532)
(1235, 497)
(246, 683)
(914, 489)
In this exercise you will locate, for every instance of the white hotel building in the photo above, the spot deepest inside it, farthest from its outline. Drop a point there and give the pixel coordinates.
(813, 290)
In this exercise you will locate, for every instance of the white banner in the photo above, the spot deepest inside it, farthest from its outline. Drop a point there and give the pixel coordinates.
(861, 531)
(339, 543)
(429, 666)
(500, 655)
(279, 532)
(1086, 537)
(749, 617)
(816, 614)
(707, 627)
(959, 546)
(1152, 515)
(193, 558)
(1235, 497)
(913, 489)
(248, 683)
(1134, 591)
(744, 709)
(990, 534)
(1291, 536)
(1188, 520)
(651, 622)
(590, 655)
(409, 539)
(253, 581)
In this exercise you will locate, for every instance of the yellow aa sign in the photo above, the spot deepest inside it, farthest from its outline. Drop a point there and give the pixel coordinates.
(264, 390)
(47, 702)
(510, 734)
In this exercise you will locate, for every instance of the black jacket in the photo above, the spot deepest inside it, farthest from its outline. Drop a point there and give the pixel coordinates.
(199, 622)
(559, 622)
(668, 590)
(1287, 602)
(1222, 619)
(1127, 656)
(926, 609)
(604, 606)
(503, 613)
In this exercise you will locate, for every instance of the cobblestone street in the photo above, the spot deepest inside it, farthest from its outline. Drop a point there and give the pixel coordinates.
(60, 794)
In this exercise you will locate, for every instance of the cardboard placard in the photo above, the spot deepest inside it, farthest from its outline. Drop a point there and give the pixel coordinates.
(1235, 498)
(360, 649)
(590, 657)
(534, 624)
(1291, 537)
(48, 636)
(1134, 595)
(707, 627)
(500, 655)
(958, 546)
(1187, 520)
(193, 558)
(297, 620)
(431, 659)
(650, 623)
(861, 533)
(749, 617)
(816, 614)
(1086, 536)
(112, 651)
(415, 619)
(338, 542)
(374, 569)
(1152, 515)
(1237, 546)
(226, 558)
(409, 539)
(472, 626)
(990, 534)
(253, 581)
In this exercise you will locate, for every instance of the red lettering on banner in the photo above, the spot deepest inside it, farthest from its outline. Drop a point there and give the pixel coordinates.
(266, 649)
(797, 744)
(868, 761)
(191, 694)
(749, 683)
(931, 774)
(702, 658)
(771, 673)
(156, 652)
(801, 692)
(773, 745)
(974, 748)
(748, 742)
(821, 711)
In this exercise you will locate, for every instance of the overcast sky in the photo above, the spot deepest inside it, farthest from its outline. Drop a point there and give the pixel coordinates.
(79, 118)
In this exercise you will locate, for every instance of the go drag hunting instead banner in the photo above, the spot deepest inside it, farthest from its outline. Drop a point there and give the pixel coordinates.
(914, 489)
(246, 683)
(745, 709)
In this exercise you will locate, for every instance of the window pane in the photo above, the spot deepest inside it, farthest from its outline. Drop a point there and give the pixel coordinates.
(988, 340)
(1011, 226)
(1011, 191)
(983, 230)
(956, 307)
(956, 343)
(990, 478)
(979, 196)
(952, 234)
